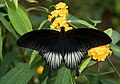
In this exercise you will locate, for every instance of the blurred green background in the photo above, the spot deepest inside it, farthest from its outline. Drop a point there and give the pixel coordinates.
(107, 11)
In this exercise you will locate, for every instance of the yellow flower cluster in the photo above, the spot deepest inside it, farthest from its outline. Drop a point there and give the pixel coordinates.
(40, 70)
(59, 16)
(99, 53)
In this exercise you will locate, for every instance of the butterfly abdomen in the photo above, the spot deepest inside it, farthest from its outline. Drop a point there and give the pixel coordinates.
(62, 41)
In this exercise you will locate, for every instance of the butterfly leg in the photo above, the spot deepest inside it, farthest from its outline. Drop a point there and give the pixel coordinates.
(77, 71)
(49, 72)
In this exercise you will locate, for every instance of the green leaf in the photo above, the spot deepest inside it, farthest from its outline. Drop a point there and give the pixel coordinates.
(38, 8)
(99, 80)
(106, 81)
(84, 64)
(93, 79)
(33, 55)
(9, 58)
(49, 1)
(1, 44)
(83, 22)
(8, 26)
(44, 74)
(44, 81)
(19, 18)
(21, 74)
(42, 24)
(95, 21)
(82, 80)
(117, 54)
(118, 81)
(91, 63)
(16, 3)
(32, 1)
(115, 37)
(109, 31)
(63, 76)
(115, 48)
(2, 5)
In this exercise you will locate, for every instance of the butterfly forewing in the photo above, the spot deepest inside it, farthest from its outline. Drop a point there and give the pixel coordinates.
(86, 38)
(37, 39)
(46, 42)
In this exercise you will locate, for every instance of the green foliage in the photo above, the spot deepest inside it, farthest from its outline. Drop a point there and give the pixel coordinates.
(7, 25)
(19, 18)
(21, 74)
(116, 50)
(41, 25)
(16, 3)
(84, 64)
(17, 21)
(1, 44)
(44, 81)
(34, 58)
(32, 1)
(63, 76)
(109, 31)
(115, 37)
(83, 22)
(95, 21)
(98, 80)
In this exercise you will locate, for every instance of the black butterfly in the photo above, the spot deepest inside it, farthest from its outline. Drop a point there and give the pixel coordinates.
(70, 46)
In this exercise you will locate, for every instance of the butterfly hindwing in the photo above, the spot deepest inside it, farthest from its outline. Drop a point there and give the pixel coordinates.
(53, 59)
(46, 42)
(73, 59)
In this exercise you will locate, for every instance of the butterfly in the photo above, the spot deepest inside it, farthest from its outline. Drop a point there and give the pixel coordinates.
(69, 46)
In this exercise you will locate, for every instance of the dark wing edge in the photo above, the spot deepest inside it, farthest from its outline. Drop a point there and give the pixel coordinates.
(87, 38)
(35, 39)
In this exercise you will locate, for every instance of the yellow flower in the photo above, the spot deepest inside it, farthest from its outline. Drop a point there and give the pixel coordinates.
(99, 53)
(55, 13)
(40, 70)
(63, 12)
(60, 22)
(59, 16)
(65, 25)
(61, 5)
(50, 17)
(68, 28)
(57, 23)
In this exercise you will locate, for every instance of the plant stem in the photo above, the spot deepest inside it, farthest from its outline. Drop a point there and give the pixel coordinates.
(72, 25)
(98, 67)
(113, 67)
(105, 73)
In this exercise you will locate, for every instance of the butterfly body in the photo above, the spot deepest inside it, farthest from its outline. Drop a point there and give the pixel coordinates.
(68, 46)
